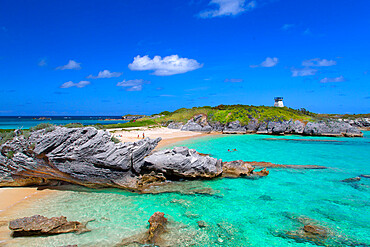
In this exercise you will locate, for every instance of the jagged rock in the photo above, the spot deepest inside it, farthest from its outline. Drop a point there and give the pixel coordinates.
(175, 125)
(217, 126)
(294, 127)
(240, 168)
(234, 128)
(365, 176)
(252, 126)
(197, 123)
(262, 129)
(236, 169)
(182, 162)
(157, 226)
(351, 180)
(276, 128)
(40, 225)
(331, 128)
(84, 156)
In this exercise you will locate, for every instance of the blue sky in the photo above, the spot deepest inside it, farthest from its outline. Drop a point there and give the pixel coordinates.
(145, 56)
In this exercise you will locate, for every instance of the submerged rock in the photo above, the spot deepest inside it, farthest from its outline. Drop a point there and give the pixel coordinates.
(351, 180)
(202, 224)
(40, 225)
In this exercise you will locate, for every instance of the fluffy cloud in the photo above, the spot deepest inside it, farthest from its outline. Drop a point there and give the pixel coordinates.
(317, 62)
(132, 85)
(169, 65)
(105, 74)
(228, 8)
(303, 72)
(233, 80)
(269, 62)
(80, 84)
(70, 65)
(335, 79)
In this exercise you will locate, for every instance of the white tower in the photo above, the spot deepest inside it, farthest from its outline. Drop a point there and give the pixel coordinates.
(279, 102)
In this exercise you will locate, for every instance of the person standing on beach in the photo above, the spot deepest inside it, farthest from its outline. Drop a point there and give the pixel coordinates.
(143, 135)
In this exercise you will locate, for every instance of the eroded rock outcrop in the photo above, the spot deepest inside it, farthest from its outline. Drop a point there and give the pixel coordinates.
(197, 123)
(40, 225)
(84, 156)
(241, 168)
(331, 128)
(182, 162)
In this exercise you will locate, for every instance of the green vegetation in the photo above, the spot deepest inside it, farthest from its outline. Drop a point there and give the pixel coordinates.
(47, 126)
(137, 123)
(74, 125)
(10, 154)
(229, 113)
(6, 136)
(115, 140)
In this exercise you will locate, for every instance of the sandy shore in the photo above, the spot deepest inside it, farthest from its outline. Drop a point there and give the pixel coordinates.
(169, 136)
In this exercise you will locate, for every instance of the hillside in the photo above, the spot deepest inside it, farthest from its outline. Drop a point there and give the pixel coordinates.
(229, 113)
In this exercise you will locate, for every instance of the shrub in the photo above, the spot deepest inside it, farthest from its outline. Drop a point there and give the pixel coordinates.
(74, 125)
(47, 126)
(115, 140)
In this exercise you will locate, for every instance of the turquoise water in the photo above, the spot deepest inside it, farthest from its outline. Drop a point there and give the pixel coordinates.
(236, 214)
(28, 122)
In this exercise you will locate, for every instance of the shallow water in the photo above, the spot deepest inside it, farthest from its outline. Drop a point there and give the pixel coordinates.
(242, 212)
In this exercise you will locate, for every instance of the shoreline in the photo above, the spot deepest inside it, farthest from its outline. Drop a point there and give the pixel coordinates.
(14, 199)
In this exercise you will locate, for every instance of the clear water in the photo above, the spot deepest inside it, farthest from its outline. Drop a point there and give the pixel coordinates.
(28, 122)
(236, 214)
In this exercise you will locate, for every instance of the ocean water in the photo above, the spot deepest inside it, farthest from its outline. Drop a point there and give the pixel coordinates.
(240, 212)
(28, 122)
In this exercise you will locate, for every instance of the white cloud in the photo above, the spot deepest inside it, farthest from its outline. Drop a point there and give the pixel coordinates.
(303, 72)
(233, 80)
(80, 84)
(286, 27)
(228, 8)
(335, 79)
(132, 85)
(70, 65)
(42, 63)
(269, 62)
(169, 65)
(317, 62)
(105, 74)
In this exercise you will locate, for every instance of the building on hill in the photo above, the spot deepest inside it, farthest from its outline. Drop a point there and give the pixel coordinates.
(279, 102)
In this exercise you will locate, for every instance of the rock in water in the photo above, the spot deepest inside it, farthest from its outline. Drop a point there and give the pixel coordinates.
(40, 225)
(351, 180)
(157, 226)
(239, 168)
(182, 162)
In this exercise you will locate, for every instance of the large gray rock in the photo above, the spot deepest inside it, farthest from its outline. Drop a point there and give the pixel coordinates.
(276, 128)
(331, 128)
(175, 125)
(84, 156)
(234, 128)
(262, 129)
(252, 126)
(181, 162)
(197, 123)
(294, 127)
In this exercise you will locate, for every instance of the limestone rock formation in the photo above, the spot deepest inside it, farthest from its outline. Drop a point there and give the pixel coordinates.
(175, 125)
(197, 123)
(331, 128)
(239, 168)
(84, 156)
(181, 162)
(40, 225)
(234, 128)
